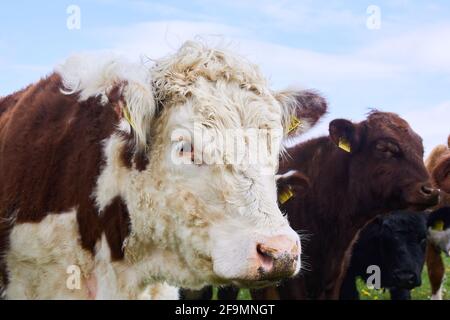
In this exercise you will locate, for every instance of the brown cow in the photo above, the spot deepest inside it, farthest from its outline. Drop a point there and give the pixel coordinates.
(360, 171)
(438, 164)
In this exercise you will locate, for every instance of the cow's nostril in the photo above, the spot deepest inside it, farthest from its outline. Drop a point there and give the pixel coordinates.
(412, 279)
(406, 278)
(277, 257)
(426, 190)
(265, 256)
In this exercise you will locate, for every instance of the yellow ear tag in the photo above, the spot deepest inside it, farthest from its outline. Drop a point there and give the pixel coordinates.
(438, 225)
(286, 195)
(127, 116)
(295, 123)
(344, 145)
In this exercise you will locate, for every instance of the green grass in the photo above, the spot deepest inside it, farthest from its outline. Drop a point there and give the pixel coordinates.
(244, 294)
(421, 293)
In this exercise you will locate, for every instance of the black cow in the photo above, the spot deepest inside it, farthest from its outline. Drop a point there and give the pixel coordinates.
(396, 243)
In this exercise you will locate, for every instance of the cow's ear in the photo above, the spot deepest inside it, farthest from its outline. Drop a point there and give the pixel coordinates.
(344, 134)
(135, 103)
(290, 184)
(301, 110)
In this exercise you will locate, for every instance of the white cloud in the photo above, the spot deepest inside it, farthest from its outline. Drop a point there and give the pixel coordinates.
(422, 51)
(295, 16)
(425, 50)
(156, 39)
(165, 10)
(284, 64)
(296, 65)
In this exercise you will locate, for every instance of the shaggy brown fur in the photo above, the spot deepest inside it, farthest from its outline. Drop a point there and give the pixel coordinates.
(438, 164)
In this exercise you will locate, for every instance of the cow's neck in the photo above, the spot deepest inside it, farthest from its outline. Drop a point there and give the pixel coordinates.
(152, 244)
(154, 250)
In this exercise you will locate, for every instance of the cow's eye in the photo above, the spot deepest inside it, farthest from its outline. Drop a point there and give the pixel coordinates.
(187, 150)
(388, 149)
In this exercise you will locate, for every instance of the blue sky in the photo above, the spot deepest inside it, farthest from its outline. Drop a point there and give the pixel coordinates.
(403, 67)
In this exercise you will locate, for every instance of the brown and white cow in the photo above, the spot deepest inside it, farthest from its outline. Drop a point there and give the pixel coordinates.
(438, 164)
(361, 170)
(100, 178)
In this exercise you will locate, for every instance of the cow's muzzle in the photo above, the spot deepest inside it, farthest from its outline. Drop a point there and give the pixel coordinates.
(406, 279)
(277, 258)
(423, 196)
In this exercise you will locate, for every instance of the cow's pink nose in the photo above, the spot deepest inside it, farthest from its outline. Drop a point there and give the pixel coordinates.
(278, 257)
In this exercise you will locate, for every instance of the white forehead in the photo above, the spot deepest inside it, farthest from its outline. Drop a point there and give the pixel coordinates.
(223, 105)
(218, 87)
(175, 74)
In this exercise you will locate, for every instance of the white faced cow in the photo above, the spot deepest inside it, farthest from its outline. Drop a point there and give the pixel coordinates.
(102, 192)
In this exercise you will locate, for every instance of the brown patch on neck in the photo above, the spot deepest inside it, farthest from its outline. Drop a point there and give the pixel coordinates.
(116, 223)
(141, 160)
(127, 152)
(130, 154)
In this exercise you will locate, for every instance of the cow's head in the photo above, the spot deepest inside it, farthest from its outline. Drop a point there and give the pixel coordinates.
(402, 240)
(441, 172)
(207, 204)
(388, 157)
